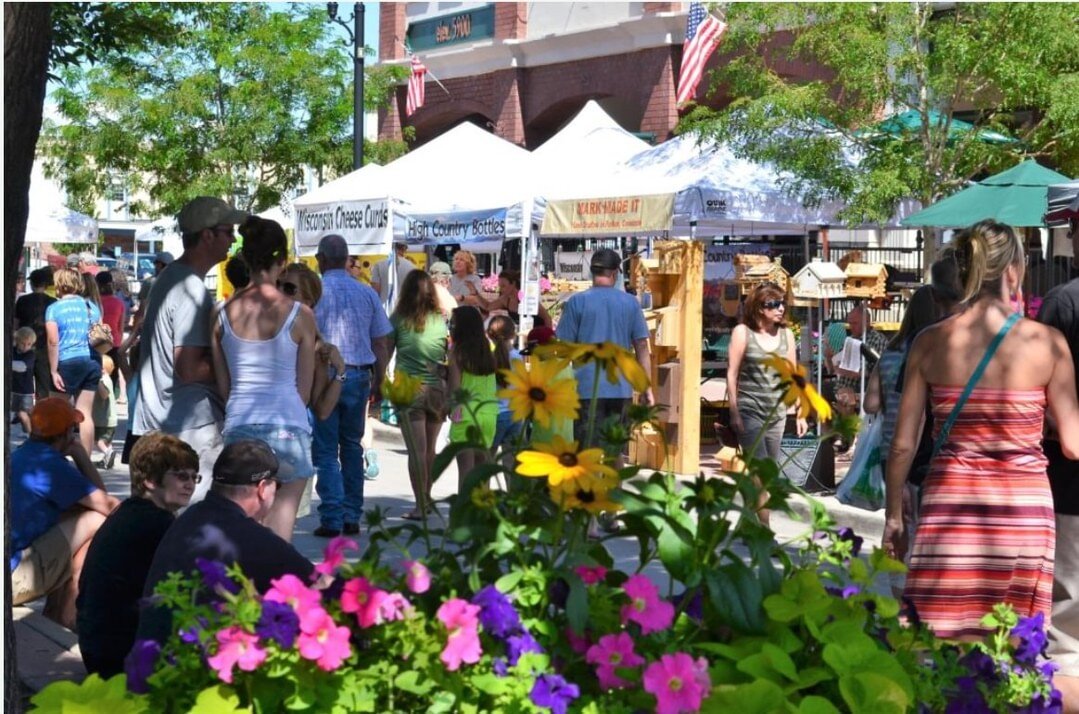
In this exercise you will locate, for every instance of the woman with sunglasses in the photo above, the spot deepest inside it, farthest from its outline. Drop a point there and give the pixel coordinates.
(164, 471)
(264, 364)
(753, 390)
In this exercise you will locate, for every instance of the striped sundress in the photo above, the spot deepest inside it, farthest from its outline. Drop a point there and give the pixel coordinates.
(986, 532)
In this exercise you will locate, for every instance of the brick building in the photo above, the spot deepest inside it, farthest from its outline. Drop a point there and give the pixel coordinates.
(522, 69)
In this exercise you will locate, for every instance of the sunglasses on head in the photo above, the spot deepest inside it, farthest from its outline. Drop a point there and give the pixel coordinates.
(774, 305)
(287, 288)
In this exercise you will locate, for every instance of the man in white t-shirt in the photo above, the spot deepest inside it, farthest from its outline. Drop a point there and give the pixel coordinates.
(380, 275)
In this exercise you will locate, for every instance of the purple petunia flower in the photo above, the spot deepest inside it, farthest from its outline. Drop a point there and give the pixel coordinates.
(1032, 638)
(695, 608)
(497, 614)
(520, 643)
(981, 665)
(190, 635)
(969, 699)
(1038, 705)
(139, 665)
(500, 666)
(214, 575)
(553, 692)
(855, 540)
(278, 622)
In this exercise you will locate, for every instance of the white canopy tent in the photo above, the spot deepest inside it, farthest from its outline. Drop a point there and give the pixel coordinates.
(50, 221)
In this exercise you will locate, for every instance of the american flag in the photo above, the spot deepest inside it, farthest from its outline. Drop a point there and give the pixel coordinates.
(703, 32)
(415, 87)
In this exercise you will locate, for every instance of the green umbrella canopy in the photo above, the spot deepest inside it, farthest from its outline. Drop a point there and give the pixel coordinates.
(1016, 197)
(910, 122)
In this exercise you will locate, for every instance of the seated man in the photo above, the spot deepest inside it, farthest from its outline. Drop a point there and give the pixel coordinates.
(55, 510)
(848, 383)
(164, 471)
(225, 528)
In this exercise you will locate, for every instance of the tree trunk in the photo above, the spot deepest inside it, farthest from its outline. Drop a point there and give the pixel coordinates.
(27, 41)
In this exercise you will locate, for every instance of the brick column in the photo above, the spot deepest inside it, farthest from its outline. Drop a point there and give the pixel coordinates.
(511, 20)
(392, 24)
(653, 8)
(660, 113)
(507, 97)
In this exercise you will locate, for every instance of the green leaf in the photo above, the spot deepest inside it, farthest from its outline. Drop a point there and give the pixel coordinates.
(218, 700)
(736, 596)
(873, 694)
(816, 705)
(409, 681)
(576, 603)
(91, 696)
(760, 697)
(491, 684)
(509, 581)
(442, 703)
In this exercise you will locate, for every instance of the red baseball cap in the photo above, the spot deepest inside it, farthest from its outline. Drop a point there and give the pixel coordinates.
(53, 416)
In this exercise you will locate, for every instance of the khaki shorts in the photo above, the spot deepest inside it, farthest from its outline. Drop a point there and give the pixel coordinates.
(431, 400)
(44, 566)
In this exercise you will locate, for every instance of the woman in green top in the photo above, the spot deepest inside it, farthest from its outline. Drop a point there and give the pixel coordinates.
(419, 337)
(472, 369)
(753, 390)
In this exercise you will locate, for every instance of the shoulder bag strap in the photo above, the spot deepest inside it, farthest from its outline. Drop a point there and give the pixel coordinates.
(974, 378)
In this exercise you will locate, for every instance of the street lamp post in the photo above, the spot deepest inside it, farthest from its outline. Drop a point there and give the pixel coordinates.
(355, 36)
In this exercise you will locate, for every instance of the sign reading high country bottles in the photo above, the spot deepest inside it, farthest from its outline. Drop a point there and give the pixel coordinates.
(469, 25)
(457, 227)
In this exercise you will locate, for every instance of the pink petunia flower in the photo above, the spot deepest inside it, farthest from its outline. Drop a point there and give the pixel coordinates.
(610, 653)
(577, 643)
(236, 647)
(334, 555)
(463, 644)
(591, 574)
(291, 590)
(417, 577)
(678, 683)
(645, 606)
(322, 641)
(364, 599)
(394, 607)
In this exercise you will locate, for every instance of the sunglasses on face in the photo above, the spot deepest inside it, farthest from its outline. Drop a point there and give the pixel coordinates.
(186, 476)
(287, 288)
(774, 305)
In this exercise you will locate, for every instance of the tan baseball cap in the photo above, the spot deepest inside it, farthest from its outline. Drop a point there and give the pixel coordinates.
(206, 212)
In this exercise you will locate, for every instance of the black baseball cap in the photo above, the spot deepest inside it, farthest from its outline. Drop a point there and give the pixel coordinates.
(245, 462)
(606, 259)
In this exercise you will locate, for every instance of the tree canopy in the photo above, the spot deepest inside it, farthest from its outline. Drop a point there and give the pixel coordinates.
(237, 100)
(1010, 68)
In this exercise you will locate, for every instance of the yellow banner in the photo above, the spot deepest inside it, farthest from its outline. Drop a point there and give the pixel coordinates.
(619, 215)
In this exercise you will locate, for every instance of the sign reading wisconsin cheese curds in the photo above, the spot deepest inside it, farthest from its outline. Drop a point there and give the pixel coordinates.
(365, 226)
(620, 215)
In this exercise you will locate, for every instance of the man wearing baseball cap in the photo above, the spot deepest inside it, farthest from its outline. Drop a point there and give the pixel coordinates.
(225, 528)
(604, 313)
(56, 508)
(176, 392)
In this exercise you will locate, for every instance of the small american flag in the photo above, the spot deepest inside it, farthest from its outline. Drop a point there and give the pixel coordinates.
(703, 32)
(415, 86)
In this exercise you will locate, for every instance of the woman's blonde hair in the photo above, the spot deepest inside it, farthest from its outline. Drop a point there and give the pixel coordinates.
(983, 253)
(68, 281)
(470, 260)
(308, 283)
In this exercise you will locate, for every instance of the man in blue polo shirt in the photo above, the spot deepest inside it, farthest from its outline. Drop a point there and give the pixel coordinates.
(55, 510)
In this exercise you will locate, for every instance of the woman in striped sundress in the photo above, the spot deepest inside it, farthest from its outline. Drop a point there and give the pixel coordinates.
(986, 526)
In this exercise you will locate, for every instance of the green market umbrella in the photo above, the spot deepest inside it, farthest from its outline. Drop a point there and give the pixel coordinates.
(910, 122)
(1016, 197)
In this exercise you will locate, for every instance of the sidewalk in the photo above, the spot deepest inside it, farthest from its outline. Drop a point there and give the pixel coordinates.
(48, 652)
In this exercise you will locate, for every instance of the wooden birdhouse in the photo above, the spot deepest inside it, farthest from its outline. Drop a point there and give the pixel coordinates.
(867, 280)
(766, 272)
(743, 263)
(819, 280)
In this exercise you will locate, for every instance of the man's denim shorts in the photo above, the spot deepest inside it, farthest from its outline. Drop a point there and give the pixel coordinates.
(291, 445)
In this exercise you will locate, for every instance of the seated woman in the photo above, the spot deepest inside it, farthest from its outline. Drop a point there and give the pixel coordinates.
(164, 471)
(508, 300)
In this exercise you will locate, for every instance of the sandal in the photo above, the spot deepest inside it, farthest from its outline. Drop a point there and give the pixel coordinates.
(415, 515)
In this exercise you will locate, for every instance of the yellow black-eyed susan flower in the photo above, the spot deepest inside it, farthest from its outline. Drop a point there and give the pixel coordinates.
(539, 393)
(798, 390)
(562, 463)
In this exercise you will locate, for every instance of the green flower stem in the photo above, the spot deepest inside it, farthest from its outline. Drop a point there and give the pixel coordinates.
(592, 405)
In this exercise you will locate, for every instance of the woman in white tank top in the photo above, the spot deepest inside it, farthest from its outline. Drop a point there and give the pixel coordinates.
(264, 355)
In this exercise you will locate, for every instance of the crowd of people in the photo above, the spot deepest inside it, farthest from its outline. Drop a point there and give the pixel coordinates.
(236, 408)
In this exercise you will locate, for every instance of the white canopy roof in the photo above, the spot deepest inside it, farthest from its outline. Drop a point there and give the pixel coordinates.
(50, 221)
(591, 141)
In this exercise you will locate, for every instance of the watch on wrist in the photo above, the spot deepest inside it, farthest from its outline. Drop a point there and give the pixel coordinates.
(340, 377)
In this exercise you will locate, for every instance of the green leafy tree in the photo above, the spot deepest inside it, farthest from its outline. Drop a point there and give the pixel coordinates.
(237, 102)
(1009, 67)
